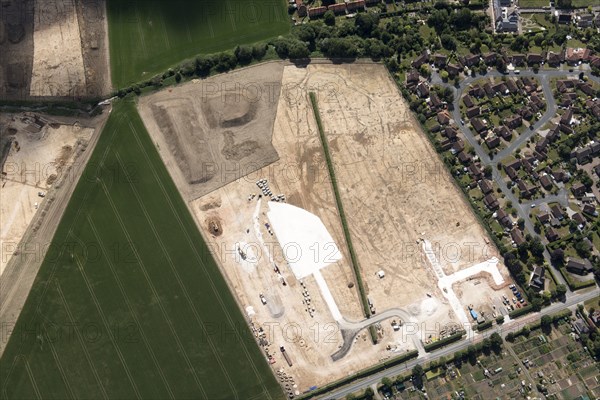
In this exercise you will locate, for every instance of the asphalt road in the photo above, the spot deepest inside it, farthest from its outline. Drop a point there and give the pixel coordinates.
(449, 350)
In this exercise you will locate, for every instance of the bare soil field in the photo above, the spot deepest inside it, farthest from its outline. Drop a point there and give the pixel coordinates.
(41, 151)
(217, 130)
(54, 49)
(395, 191)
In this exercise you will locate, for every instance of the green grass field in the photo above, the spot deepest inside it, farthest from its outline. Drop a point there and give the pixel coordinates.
(534, 3)
(149, 36)
(128, 302)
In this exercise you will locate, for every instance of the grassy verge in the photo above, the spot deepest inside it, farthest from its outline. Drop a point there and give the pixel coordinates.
(340, 207)
(129, 302)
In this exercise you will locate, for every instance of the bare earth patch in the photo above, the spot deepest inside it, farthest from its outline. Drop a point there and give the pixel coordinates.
(41, 153)
(215, 131)
(396, 194)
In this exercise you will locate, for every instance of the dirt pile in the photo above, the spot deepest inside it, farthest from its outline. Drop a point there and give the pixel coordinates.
(216, 130)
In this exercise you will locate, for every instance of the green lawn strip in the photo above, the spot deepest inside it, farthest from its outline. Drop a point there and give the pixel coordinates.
(129, 301)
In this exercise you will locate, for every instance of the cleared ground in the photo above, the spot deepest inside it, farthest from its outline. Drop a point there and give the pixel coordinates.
(41, 155)
(395, 189)
(54, 49)
(396, 194)
(149, 36)
(128, 302)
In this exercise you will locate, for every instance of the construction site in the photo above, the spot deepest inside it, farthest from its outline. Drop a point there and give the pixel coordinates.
(263, 198)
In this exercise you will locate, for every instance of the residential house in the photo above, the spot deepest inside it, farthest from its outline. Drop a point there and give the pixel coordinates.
(511, 172)
(538, 278)
(512, 86)
(314, 12)
(554, 59)
(578, 266)
(450, 132)
(478, 125)
(590, 210)
(453, 69)
(552, 235)
(543, 217)
(557, 212)
(546, 182)
(518, 59)
(486, 186)
(503, 219)
(576, 55)
(503, 132)
(440, 60)
(338, 8)
(443, 117)
(490, 58)
(491, 202)
(563, 85)
(584, 21)
(586, 88)
(514, 122)
(579, 219)
(468, 101)
(517, 236)
(564, 18)
(471, 60)
(578, 189)
(423, 89)
(534, 58)
(356, 5)
(473, 112)
(492, 141)
(422, 59)
(463, 157)
(475, 171)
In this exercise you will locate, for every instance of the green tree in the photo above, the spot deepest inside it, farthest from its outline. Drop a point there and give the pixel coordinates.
(444, 75)
(386, 381)
(259, 50)
(561, 290)
(417, 375)
(369, 393)
(448, 42)
(329, 18)
(243, 54)
(204, 65)
(546, 321)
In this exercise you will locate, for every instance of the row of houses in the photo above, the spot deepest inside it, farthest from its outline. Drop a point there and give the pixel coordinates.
(337, 8)
(533, 104)
(570, 55)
